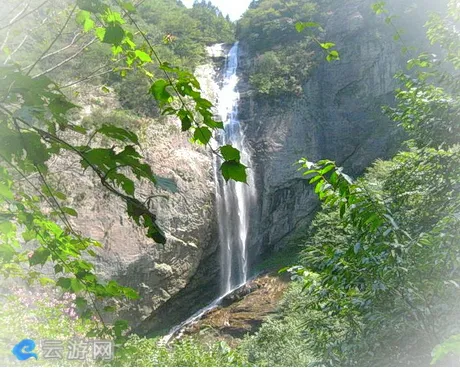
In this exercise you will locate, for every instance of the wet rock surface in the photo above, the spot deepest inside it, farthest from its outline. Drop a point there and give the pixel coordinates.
(243, 311)
(240, 293)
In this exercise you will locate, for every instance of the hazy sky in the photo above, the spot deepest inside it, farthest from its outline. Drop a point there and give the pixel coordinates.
(234, 8)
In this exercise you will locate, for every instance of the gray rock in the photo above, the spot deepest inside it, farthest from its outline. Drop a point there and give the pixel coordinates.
(157, 271)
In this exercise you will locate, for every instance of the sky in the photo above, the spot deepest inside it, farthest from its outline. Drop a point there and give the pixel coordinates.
(234, 8)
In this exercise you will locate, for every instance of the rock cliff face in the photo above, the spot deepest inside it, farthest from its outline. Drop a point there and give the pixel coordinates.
(157, 271)
(338, 116)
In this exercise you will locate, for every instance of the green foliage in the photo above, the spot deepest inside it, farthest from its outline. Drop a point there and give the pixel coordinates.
(379, 8)
(377, 283)
(144, 352)
(55, 316)
(116, 118)
(450, 346)
(234, 170)
(286, 256)
(427, 112)
(280, 340)
(214, 27)
(283, 71)
(268, 24)
(282, 45)
(443, 31)
(179, 34)
(382, 257)
(300, 26)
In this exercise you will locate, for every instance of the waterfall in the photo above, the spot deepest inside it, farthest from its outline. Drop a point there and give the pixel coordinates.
(233, 199)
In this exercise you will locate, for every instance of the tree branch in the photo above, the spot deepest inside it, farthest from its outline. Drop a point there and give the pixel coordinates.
(10, 22)
(66, 60)
(5, 40)
(16, 19)
(57, 51)
(15, 50)
(168, 77)
(91, 75)
(54, 41)
(12, 10)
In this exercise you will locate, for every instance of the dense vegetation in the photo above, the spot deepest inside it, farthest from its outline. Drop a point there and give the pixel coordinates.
(379, 283)
(283, 57)
(378, 279)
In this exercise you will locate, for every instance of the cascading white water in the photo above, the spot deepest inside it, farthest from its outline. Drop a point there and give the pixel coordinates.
(233, 198)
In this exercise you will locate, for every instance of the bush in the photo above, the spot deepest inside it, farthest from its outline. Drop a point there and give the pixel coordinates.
(49, 315)
(283, 57)
(280, 341)
(280, 72)
(145, 352)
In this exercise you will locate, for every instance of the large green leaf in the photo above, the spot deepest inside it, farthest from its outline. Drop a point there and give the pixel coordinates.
(186, 119)
(300, 26)
(143, 56)
(121, 180)
(93, 6)
(60, 106)
(5, 192)
(118, 133)
(39, 256)
(84, 18)
(202, 135)
(143, 216)
(333, 55)
(37, 152)
(100, 157)
(76, 285)
(114, 35)
(234, 170)
(7, 227)
(159, 91)
(229, 153)
(7, 252)
(69, 211)
(128, 6)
